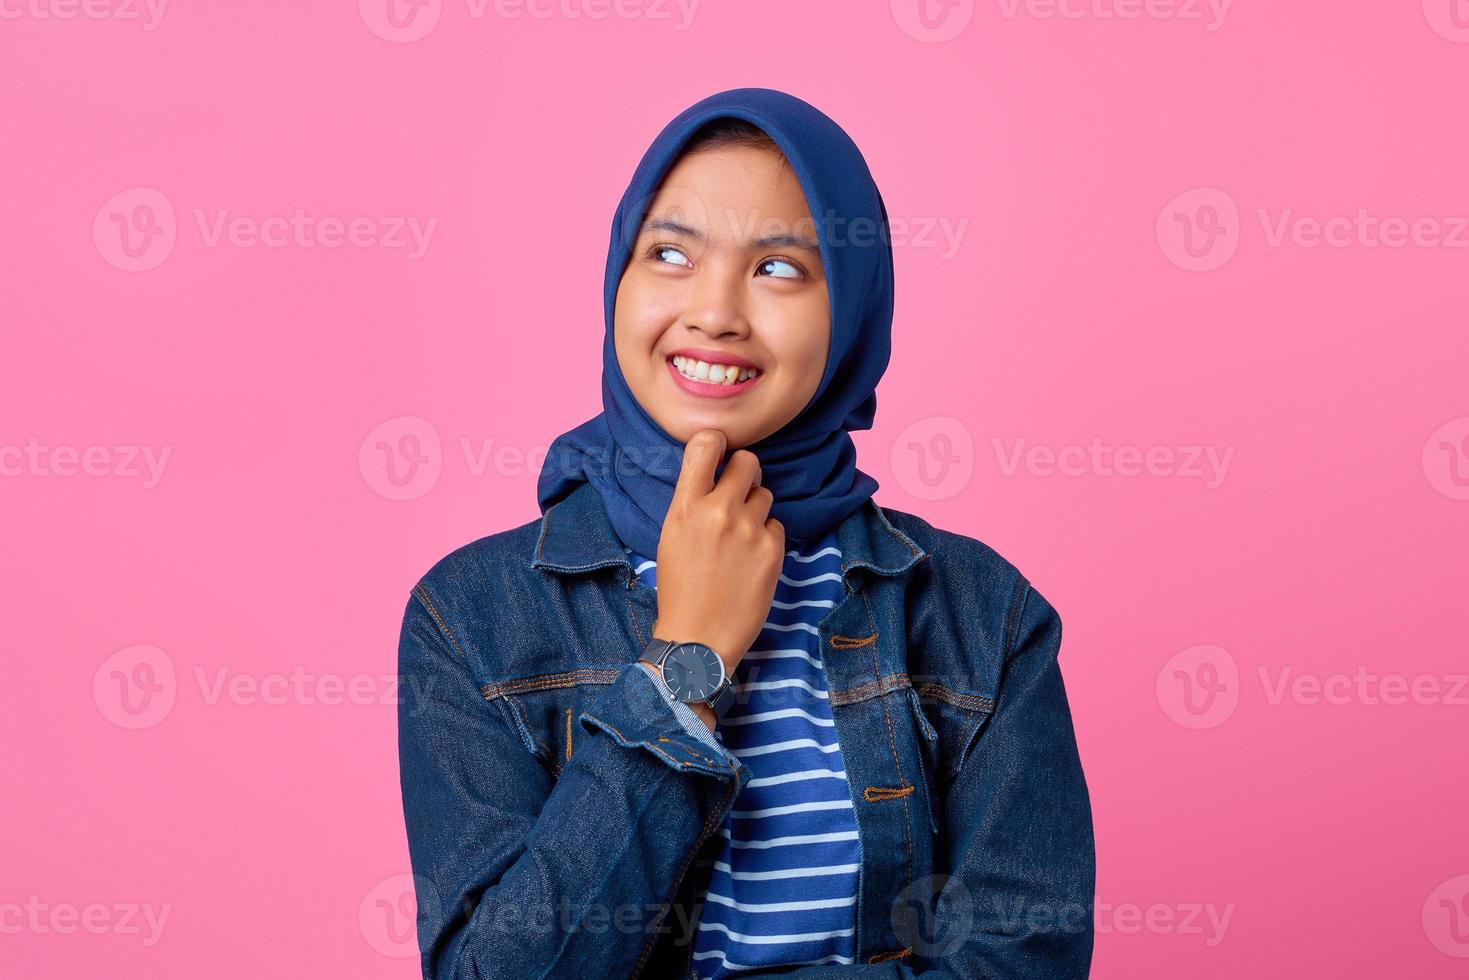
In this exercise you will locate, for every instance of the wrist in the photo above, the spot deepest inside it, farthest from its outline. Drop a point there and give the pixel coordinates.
(676, 633)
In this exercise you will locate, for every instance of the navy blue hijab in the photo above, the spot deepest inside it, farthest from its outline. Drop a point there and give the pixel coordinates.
(810, 464)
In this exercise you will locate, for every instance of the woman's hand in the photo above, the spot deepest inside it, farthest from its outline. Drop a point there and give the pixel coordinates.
(719, 556)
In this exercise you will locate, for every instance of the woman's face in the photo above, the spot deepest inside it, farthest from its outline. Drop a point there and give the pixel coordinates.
(726, 271)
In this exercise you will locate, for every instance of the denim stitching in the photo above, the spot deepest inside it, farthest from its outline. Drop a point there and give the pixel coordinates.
(970, 702)
(546, 682)
(892, 745)
(421, 591)
(644, 743)
(869, 689)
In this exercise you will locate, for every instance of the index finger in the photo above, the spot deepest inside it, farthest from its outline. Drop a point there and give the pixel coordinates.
(701, 457)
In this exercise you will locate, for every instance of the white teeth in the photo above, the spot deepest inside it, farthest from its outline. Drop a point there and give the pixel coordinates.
(719, 374)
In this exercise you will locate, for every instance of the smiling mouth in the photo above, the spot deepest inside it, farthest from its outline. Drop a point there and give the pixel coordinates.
(712, 373)
(699, 377)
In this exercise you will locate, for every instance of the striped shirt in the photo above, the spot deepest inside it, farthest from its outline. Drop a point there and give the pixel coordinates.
(783, 890)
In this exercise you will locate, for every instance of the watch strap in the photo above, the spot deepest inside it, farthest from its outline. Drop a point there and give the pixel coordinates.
(656, 650)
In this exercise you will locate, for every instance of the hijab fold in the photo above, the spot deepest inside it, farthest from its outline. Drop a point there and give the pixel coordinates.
(810, 464)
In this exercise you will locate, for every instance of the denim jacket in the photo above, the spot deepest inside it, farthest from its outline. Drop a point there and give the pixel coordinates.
(562, 813)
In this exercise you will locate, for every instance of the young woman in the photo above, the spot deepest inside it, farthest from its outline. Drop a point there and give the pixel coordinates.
(717, 712)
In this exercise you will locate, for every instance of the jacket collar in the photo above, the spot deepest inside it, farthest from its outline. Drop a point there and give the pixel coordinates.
(576, 536)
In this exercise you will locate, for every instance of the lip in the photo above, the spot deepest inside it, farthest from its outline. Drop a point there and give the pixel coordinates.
(706, 390)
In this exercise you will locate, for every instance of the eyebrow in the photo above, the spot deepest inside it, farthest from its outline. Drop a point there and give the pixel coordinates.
(769, 241)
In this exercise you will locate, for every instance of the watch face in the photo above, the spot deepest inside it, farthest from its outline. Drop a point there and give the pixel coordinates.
(692, 671)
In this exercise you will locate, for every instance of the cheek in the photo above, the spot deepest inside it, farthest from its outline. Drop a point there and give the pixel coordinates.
(642, 316)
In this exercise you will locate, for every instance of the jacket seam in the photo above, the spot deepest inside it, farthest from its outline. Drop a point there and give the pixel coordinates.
(959, 699)
(715, 815)
(1018, 596)
(869, 689)
(887, 719)
(421, 591)
(547, 682)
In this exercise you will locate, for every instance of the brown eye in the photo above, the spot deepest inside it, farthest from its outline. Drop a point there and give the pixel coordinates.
(657, 252)
(793, 271)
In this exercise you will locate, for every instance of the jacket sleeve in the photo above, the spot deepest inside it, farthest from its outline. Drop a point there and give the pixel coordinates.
(1022, 859)
(520, 874)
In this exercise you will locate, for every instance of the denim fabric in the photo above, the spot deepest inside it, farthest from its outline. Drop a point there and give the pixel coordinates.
(562, 813)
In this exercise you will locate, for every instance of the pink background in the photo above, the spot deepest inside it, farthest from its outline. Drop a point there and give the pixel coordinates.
(1079, 161)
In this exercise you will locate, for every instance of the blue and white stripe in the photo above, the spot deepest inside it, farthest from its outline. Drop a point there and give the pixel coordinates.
(783, 890)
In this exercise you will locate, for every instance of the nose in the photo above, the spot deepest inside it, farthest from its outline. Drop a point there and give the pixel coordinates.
(716, 307)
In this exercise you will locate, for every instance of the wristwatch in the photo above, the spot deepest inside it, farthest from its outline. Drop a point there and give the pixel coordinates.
(692, 673)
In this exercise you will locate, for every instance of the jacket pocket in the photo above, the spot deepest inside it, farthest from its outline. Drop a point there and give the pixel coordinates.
(928, 757)
(956, 718)
(543, 710)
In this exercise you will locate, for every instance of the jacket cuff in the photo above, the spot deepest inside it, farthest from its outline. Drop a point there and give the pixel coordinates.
(636, 712)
